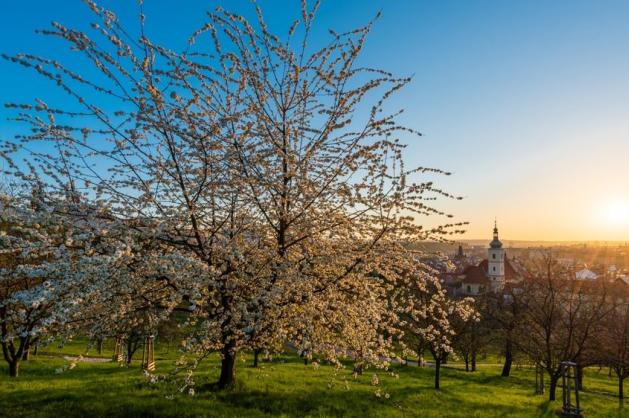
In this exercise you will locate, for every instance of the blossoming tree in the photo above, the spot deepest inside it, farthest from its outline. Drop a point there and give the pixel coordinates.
(275, 169)
(431, 318)
(46, 266)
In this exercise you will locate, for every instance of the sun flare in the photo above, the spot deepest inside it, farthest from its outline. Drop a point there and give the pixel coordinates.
(616, 212)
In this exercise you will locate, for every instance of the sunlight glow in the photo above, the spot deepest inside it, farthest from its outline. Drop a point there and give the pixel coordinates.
(616, 212)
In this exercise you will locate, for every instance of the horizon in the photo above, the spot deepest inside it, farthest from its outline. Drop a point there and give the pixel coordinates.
(506, 240)
(525, 103)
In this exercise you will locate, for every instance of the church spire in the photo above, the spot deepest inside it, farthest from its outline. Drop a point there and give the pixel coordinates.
(496, 261)
(496, 242)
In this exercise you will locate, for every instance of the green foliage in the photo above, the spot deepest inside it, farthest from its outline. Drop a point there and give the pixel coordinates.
(284, 387)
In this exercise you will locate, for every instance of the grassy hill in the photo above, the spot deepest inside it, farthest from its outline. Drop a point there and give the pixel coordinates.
(284, 387)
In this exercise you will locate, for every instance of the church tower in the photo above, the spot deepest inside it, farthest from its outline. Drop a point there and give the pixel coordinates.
(496, 262)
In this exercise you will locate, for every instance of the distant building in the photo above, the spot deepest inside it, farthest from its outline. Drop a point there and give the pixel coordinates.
(460, 255)
(496, 262)
(490, 274)
(460, 260)
(586, 274)
(623, 279)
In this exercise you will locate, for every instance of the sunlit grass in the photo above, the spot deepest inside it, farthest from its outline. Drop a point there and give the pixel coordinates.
(284, 387)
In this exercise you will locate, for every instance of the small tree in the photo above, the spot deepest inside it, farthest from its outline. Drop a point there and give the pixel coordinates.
(561, 316)
(46, 265)
(613, 341)
(145, 285)
(502, 311)
(472, 339)
(429, 314)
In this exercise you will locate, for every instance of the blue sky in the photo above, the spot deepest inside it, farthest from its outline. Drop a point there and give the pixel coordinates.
(526, 102)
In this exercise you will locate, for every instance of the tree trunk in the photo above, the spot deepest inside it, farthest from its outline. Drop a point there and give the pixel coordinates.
(228, 369)
(35, 349)
(27, 354)
(621, 394)
(553, 387)
(467, 364)
(437, 371)
(133, 344)
(473, 362)
(130, 351)
(13, 357)
(580, 378)
(506, 369)
(256, 355)
(14, 368)
(99, 346)
(359, 367)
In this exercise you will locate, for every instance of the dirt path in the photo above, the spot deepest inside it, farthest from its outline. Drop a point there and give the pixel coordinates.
(87, 359)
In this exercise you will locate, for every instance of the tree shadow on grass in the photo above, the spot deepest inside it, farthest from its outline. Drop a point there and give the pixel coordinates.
(45, 371)
(81, 397)
(285, 387)
(336, 403)
(461, 377)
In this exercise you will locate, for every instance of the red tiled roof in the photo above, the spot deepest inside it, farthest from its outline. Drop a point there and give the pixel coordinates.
(478, 274)
(475, 275)
(510, 273)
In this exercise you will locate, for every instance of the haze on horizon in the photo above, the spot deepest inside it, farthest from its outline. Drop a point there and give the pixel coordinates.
(525, 102)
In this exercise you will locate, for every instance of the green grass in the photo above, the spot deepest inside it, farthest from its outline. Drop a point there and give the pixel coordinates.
(284, 387)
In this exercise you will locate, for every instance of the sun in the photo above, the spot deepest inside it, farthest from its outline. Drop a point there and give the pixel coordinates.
(616, 212)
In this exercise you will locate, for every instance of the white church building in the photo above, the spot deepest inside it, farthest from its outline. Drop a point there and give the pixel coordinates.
(490, 274)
